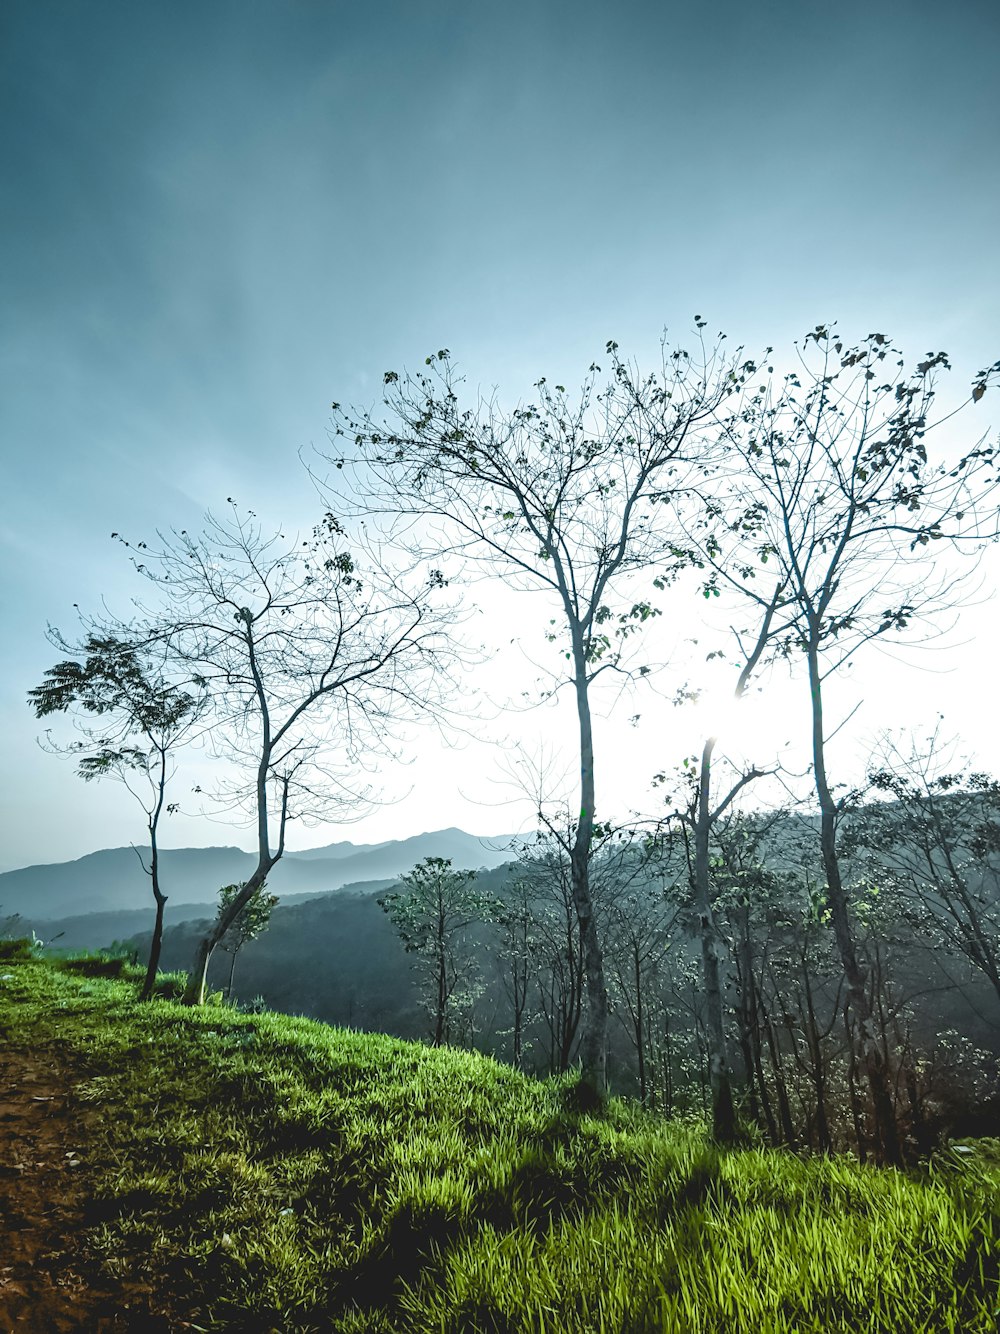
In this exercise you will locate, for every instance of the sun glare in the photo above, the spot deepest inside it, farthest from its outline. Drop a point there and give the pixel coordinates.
(748, 724)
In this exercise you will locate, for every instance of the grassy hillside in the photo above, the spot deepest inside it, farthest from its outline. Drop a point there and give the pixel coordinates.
(269, 1173)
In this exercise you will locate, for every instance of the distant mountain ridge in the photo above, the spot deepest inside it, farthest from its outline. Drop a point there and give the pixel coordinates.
(334, 851)
(112, 880)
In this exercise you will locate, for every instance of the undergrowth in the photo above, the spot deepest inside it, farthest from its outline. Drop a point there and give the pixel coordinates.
(272, 1173)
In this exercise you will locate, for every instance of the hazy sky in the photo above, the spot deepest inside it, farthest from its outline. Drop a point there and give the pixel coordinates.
(218, 217)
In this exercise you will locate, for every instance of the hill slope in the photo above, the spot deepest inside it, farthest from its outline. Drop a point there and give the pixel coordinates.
(261, 1172)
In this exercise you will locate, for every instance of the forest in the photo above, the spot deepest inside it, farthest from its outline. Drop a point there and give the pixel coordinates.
(821, 970)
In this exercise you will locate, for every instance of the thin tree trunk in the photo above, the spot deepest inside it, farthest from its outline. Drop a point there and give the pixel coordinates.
(759, 1017)
(742, 964)
(765, 1097)
(723, 1112)
(640, 1037)
(852, 1088)
(918, 1129)
(780, 1088)
(442, 1001)
(194, 993)
(440, 1022)
(156, 943)
(752, 1006)
(886, 1134)
(749, 1082)
(981, 950)
(593, 1043)
(155, 947)
(668, 1068)
(813, 1043)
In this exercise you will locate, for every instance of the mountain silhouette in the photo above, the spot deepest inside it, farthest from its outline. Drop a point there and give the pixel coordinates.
(113, 880)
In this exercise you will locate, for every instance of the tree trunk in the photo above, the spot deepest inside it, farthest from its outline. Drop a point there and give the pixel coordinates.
(723, 1112)
(194, 993)
(569, 1007)
(742, 962)
(442, 1001)
(818, 1071)
(161, 898)
(857, 1115)
(668, 1069)
(780, 1087)
(750, 1014)
(154, 948)
(918, 1128)
(765, 1097)
(886, 1134)
(640, 1035)
(593, 1042)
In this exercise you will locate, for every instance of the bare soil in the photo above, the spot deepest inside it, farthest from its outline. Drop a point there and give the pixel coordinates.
(49, 1282)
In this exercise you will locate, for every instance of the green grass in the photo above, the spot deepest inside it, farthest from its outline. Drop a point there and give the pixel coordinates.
(273, 1173)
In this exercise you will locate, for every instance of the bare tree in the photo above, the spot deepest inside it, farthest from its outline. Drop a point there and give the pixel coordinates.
(311, 659)
(515, 915)
(561, 496)
(702, 814)
(936, 839)
(640, 928)
(837, 492)
(144, 717)
(558, 967)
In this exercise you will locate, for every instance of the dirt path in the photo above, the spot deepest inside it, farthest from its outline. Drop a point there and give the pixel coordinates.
(48, 1282)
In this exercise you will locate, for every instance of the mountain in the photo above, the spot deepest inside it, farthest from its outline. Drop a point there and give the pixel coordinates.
(332, 851)
(378, 860)
(113, 880)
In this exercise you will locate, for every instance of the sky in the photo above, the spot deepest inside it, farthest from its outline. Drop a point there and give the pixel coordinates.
(218, 218)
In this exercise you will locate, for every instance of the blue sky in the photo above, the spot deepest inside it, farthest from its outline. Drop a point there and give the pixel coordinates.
(218, 217)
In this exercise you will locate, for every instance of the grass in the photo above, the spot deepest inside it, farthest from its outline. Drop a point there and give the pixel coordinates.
(273, 1173)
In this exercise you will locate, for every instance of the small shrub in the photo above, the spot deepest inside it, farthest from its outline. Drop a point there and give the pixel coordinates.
(121, 949)
(17, 950)
(578, 1098)
(96, 965)
(171, 986)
